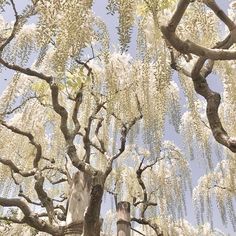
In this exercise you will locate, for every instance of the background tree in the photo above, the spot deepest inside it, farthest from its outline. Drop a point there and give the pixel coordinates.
(80, 120)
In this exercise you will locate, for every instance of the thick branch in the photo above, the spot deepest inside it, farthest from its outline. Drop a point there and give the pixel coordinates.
(43, 197)
(78, 100)
(188, 46)
(60, 110)
(26, 71)
(15, 169)
(199, 72)
(220, 13)
(30, 218)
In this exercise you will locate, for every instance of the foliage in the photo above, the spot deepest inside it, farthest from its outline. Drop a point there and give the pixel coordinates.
(74, 103)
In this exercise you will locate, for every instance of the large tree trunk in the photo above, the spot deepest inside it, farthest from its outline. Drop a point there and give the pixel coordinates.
(123, 219)
(92, 223)
(84, 205)
(79, 198)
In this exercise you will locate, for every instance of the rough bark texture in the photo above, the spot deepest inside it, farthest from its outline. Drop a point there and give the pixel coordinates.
(123, 219)
(92, 224)
(200, 71)
(74, 229)
(79, 198)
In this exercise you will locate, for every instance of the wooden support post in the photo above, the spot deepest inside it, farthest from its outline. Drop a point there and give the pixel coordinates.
(123, 219)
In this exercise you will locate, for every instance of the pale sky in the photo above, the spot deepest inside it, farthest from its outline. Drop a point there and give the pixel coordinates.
(112, 22)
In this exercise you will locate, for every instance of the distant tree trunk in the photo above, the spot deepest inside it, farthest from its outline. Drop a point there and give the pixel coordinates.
(78, 201)
(123, 219)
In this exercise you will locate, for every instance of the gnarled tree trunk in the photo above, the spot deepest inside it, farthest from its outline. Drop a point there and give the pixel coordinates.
(92, 223)
(84, 205)
(78, 201)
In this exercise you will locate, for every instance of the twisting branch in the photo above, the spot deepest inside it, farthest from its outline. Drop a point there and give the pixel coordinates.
(16, 170)
(43, 197)
(188, 46)
(37, 146)
(79, 96)
(146, 202)
(198, 75)
(87, 67)
(21, 194)
(63, 198)
(148, 222)
(30, 218)
(86, 138)
(13, 177)
(61, 111)
(220, 13)
(126, 127)
(52, 167)
(174, 65)
(26, 71)
(124, 133)
(200, 71)
(60, 207)
(101, 142)
(15, 26)
(78, 101)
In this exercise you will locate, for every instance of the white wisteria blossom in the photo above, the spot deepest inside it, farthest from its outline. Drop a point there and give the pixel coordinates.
(89, 126)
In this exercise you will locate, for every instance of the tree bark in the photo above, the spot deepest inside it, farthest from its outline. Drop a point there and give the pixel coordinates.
(84, 205)
(79, 198)
(92, 222)
(123, 219)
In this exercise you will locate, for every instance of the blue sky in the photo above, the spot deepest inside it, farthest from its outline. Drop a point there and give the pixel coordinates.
(197, 169)
(196, 165)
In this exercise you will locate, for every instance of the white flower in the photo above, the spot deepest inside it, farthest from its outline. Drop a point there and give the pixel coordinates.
(232, 5)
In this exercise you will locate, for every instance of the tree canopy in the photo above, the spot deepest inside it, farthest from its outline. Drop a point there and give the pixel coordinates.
(83, 121)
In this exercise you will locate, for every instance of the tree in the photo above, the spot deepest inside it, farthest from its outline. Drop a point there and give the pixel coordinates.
(80, 120)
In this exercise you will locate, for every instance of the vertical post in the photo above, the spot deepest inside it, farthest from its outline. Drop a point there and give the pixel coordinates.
(123, 219)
